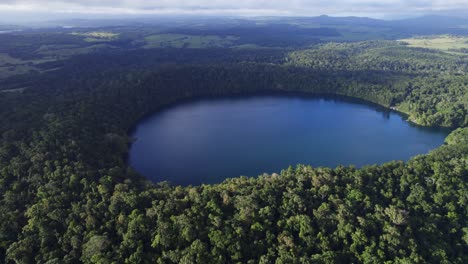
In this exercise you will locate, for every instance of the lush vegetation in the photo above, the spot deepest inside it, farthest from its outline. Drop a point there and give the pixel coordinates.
(428, 85)
(187, 41)
(68, 196)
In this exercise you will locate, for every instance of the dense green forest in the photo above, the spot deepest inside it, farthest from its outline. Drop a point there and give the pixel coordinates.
(428, 85)
(68, 195)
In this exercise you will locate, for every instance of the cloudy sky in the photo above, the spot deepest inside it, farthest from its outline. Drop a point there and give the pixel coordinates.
(371, 8)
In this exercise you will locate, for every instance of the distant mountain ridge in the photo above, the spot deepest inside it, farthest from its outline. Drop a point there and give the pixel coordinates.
(437, 21)
(426, 20)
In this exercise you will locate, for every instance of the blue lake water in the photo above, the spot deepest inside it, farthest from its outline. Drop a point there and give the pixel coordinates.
(208, 140)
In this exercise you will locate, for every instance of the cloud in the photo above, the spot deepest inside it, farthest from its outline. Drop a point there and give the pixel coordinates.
(236, 7)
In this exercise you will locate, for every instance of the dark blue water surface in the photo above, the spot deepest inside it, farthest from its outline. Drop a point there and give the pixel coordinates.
(208, 140)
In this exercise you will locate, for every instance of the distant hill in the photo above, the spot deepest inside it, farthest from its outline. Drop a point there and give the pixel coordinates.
(432, 21)
(431, 24)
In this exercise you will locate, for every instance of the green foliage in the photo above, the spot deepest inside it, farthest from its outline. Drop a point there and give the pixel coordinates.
(68, 195)
(429, 86)
(187, 41)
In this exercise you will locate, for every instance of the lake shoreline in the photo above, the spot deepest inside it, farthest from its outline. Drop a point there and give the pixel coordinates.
(187, 130)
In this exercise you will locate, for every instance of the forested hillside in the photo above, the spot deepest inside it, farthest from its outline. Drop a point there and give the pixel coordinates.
(430, 86)
(68, 195)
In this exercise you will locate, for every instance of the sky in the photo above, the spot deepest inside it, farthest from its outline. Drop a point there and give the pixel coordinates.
(37, 9)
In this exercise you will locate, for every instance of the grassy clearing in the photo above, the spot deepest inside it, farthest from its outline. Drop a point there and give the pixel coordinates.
(51, 48)
(10, 66)
(187, 41)
(8, 71)
(64, 51)
(357, 33)
(17, 90)
(6, 59)
(97, 36)
(248, 46)
(452, 44)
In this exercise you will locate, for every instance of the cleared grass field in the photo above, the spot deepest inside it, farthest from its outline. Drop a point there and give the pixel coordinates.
(97, 36)
(10, 66)
(17, 90)
(8, 71)
(64, 51)
(187, 41)
(7, 59)
(452, 44)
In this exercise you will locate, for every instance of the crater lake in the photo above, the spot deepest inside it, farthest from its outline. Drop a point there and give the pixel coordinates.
(210, 139)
